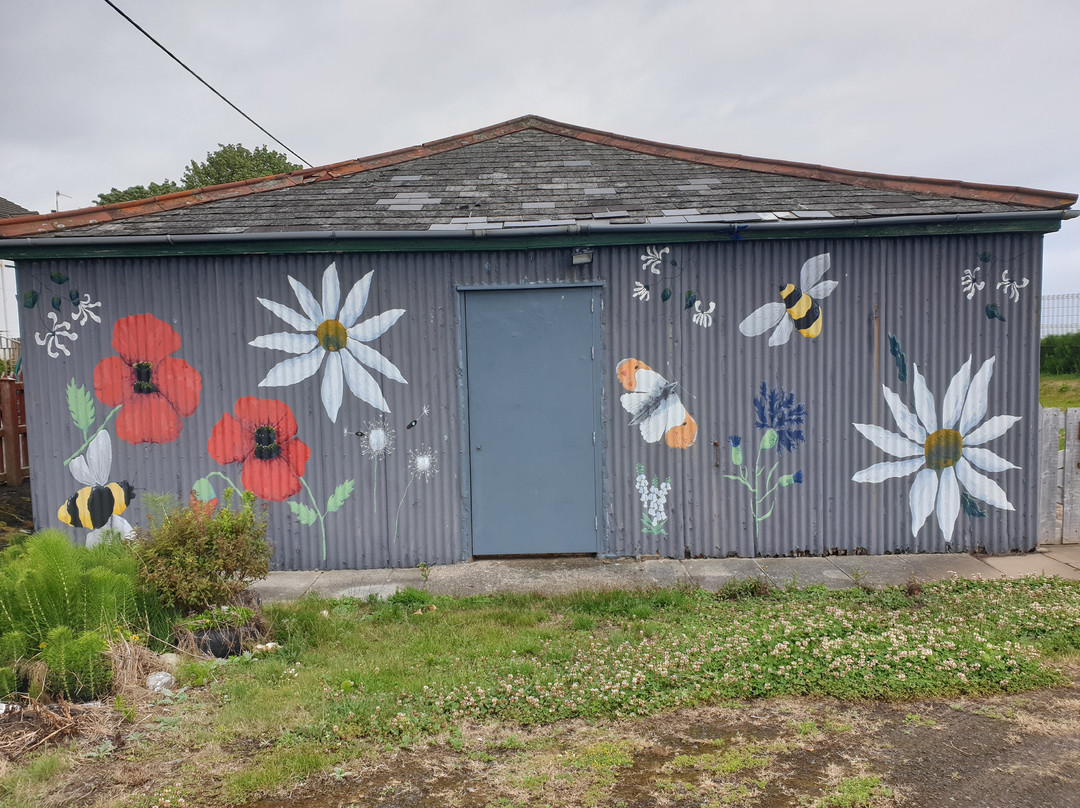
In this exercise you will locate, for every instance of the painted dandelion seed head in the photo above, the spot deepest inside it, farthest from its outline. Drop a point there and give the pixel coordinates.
(422, 463)
(378, 440)
(947, 454)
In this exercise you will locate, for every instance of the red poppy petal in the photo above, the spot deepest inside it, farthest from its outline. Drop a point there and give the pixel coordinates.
(148, 418)
(272, 479)
(296, 454)
(179, 382)
(230, 441)
(114, 381)
(144, 338)
(267, 411)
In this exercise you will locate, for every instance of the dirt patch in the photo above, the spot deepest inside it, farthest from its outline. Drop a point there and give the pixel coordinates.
(16, 511)
(1001, 752)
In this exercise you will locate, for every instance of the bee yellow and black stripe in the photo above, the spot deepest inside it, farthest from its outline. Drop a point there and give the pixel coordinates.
(803, 309)
(91, 507)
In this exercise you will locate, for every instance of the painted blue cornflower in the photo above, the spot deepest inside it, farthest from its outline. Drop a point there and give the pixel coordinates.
(778, 411)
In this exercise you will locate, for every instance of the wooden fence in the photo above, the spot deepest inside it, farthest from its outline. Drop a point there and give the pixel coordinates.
(14, 454)
(1059, 476)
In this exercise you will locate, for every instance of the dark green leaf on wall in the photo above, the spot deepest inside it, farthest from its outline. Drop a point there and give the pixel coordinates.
(81, 406)
(56, 302)
(984, 256)
(691, 299)
(971, 506)
(665, 295)
(899, 357)
(73, 296)
(30, 299)
(992, 312)
(58, 277)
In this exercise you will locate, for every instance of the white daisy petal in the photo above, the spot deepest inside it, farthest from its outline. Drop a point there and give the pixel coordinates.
(994, 428)
(982, 487)
(307, 301)
(331, 292)
(948, 503)
(296, 369)
(889, 442)
(375, 360)
(783, 331)
(975, 406)
(356, 301)
(376, 326)
(333, 388)
(921, 498)
(880, 472)
(986, 460)
(905, 418)
(293, 318)
(287, 341)
(924, 402)
(363, 386)
(955, 396)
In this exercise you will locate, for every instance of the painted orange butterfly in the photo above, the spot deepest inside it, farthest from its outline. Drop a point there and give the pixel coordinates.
(654, 405)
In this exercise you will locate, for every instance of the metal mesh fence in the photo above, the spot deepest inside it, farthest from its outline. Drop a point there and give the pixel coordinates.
(1060, 314)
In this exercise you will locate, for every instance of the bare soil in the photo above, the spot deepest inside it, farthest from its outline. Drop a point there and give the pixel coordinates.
(16, 512)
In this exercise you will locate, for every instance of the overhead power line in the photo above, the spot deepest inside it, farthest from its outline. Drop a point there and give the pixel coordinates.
(201, 79)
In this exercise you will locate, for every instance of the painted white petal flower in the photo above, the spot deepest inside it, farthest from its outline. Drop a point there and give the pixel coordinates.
(287, 341)
(290, 316)
(889, 442)
(905, 418)
(356, 301)
(880, 472)
(376, 326)
(924, 403)
(975, 405)
(982, 487)
(994, 428)
(307, 301)
(331, 292)
(955, 396)
(986, 460)
(291, 371)
(360, 382)
(375, 360)
(922, 497)
(948, 503)
(333, 387)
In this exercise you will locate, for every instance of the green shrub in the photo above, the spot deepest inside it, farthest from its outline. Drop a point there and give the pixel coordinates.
(201, 555)
(78, 668)
(9, 682)
(1059, 354)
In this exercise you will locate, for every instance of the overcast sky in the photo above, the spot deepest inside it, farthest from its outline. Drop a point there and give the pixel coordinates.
(984, 91)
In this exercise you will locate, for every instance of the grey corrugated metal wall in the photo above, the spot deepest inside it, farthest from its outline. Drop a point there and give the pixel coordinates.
(910, 287)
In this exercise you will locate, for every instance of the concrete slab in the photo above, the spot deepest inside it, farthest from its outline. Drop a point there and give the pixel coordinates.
(280, 586)
(1065, 553)
(804, 572)
(928, 568)
(381, 591)
(1023, 566)
(713, 573)
(334, 583)
(875, 571)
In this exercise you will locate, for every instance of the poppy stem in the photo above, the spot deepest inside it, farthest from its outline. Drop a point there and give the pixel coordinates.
(89, 440)
(411, 478)
(232, 485)
(321, 515)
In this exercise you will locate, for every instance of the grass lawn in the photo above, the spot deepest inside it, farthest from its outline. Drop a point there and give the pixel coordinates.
(355, 680)
(1060, 392)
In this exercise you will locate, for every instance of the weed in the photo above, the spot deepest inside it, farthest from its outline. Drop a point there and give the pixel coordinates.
(743, 589)
(425, 570)
(856, 792)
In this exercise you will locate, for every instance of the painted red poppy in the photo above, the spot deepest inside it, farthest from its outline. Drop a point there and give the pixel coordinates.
(261, 434)
(154, 389)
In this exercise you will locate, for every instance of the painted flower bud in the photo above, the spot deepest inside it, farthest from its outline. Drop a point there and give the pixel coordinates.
(789, 479)
(736, 450)
(768, 441)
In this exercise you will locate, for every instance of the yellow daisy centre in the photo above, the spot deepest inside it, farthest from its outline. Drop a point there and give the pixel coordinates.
(332, 335)
(943, 449)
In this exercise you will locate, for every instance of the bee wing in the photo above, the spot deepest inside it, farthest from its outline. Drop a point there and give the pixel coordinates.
(93, 467)
(822, 290)
(813, 269)
(782, 332)
(762, 319)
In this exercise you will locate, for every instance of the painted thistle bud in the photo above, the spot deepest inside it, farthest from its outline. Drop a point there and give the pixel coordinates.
(768, 441)
(789, 479)
(736, 450)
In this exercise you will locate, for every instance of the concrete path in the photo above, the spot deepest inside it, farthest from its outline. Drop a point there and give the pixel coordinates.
(561, 575)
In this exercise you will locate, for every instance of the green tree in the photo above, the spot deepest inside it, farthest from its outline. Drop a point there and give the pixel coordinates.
(229, 163)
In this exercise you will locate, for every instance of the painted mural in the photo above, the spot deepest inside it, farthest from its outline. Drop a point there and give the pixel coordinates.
(654, 405)
(800, 306)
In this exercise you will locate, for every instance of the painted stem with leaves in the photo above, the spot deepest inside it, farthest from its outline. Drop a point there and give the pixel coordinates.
(83, 414)
(309, 515)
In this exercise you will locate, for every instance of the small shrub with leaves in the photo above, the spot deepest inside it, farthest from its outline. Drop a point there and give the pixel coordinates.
(203, 555)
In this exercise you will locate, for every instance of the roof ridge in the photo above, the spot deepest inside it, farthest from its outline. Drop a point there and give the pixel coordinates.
(62, 220)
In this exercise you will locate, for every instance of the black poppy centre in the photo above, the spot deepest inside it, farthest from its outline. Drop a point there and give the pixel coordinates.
(143, 374)
(266, 445)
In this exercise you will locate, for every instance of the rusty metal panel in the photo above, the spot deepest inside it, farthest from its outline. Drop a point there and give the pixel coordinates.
(349, 499)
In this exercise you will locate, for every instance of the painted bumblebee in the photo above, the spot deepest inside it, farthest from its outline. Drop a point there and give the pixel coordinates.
(98, 505)
(799, 309)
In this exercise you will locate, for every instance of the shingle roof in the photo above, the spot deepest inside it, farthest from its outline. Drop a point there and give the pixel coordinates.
(10, 209)
(532, 172)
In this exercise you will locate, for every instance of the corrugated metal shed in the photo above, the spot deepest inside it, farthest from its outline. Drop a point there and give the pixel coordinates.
(310, 343)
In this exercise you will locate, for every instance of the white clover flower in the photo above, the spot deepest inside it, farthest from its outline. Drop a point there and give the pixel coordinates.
(945, 458)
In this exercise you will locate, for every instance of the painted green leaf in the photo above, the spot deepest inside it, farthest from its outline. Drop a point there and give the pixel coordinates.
(81, 406)
(341, 493)
(971, 506)
(30, 298)
(58, 277)
(56, 302)
(203, 489)
(305, 514)
(665, 295)
(691, 299)
(73, 296)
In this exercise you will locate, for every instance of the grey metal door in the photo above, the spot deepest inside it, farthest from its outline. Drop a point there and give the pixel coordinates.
(533, 398)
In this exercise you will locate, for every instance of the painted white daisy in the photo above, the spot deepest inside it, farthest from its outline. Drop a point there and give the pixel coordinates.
(947, 455)
(327, 332)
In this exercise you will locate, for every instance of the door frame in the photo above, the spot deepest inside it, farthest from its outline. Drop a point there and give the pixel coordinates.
(600, 378)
